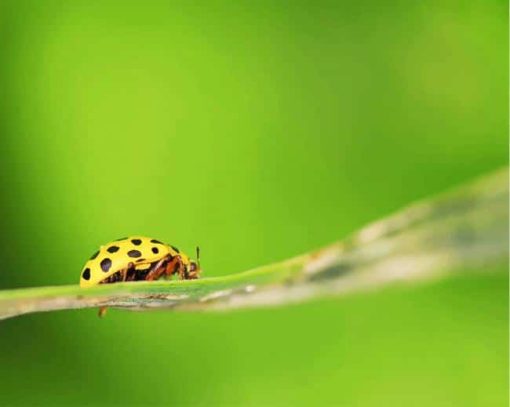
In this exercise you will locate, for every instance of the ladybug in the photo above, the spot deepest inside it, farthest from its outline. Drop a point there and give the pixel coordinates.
(137, 258)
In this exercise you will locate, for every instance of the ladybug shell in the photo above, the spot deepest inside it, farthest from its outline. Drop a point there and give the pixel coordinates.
(117, 255)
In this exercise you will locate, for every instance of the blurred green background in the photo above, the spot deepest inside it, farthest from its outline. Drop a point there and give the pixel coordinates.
(258, 130)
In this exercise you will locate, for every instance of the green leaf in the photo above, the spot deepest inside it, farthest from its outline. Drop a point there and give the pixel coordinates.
(458, 232)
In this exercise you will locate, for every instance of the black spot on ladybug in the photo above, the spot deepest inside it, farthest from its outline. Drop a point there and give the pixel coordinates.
(156, 241)
(140, 260)
(112, 249)
(122, 238)
(94, 255)
(136, 242)
(134, 253)
(86, 274)
(106, 264)
(155, 250)
(175, 248)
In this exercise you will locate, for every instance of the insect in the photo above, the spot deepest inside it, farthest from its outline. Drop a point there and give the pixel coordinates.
(137, 258)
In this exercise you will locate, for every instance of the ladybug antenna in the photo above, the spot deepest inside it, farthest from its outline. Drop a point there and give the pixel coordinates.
(198, 256)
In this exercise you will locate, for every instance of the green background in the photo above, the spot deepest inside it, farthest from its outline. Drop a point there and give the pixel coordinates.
(258, 130)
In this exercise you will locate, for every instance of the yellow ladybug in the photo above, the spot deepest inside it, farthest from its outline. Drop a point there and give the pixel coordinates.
(137, 258)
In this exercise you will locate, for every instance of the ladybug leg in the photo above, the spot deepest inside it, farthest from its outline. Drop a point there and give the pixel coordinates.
(128, 274)
(102, 312)
(180, 269)
(159, 269)
(170, 266)
(193, 275)
(176, 266)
